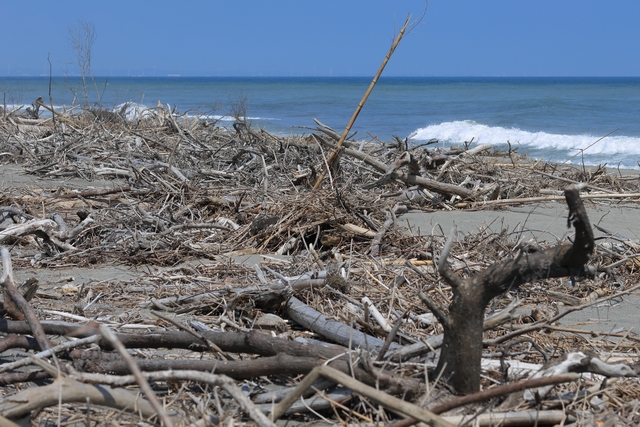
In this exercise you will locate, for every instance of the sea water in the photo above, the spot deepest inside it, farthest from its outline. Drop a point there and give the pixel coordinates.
(595, 121)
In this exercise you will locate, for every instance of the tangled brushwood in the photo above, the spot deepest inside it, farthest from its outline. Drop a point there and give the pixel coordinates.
(250, 296)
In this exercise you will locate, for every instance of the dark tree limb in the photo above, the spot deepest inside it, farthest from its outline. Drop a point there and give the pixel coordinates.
(249, 343)
(50, 327)
(433, 308)
(23, 377)
(99, 362)
(18, 341)
(462, 344)
(280, 364)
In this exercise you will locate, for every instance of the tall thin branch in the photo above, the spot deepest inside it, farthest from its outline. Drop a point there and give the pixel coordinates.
(335, 155)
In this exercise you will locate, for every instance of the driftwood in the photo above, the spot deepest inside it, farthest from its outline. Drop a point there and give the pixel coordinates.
(461, 351)
(334, 158)
(548, 323)
(521, 419)
(412, 179)
(137, 374)
(19, 304)
(185, 375)
(392, 403)
(53, 350)
(47, 229)
(180, 202)
(305, 354)
(490, 394)
(335, 331)
(23, 403)
(410, 351)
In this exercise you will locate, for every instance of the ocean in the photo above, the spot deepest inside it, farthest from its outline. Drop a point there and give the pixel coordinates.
(552, 118)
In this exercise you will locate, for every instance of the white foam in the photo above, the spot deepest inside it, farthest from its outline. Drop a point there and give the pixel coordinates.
(133, 111)
(457, 132)
(226, 118)
(22, 108)
(215, 117)
(11, 107)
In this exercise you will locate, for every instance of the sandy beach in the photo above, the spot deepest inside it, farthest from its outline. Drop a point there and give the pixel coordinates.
(380, 216)
(541, 222)
(145, 224)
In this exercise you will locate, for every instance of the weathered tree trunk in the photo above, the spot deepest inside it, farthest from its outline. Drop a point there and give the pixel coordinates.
(461, 348)
(462, 344)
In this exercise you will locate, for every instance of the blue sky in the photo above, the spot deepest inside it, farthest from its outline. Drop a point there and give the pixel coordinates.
(329, 37)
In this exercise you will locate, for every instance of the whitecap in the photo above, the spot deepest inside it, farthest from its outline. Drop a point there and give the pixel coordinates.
(551, 146)
(133, 111)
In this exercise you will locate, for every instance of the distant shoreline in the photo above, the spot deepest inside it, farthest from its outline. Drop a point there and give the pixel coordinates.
(560, 79)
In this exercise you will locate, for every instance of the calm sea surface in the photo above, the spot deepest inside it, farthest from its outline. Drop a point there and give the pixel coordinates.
(549, 118)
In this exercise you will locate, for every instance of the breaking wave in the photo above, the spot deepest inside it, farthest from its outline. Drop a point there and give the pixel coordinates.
(613, 149)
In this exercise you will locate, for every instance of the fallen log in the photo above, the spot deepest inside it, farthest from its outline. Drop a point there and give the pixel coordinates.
(249, 343)
(65, 390)
(333, 330)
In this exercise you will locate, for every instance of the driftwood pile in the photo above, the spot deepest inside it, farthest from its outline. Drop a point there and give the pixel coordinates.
(338, 319)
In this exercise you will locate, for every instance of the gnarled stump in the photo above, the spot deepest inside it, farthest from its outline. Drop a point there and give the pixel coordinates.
(462, 345)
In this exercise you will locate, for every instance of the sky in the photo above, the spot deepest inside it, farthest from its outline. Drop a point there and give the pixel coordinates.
(324, 38)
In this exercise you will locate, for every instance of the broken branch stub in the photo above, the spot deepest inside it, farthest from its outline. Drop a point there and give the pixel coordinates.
(462, 343)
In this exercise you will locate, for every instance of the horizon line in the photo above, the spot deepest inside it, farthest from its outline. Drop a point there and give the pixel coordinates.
(170, 75)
